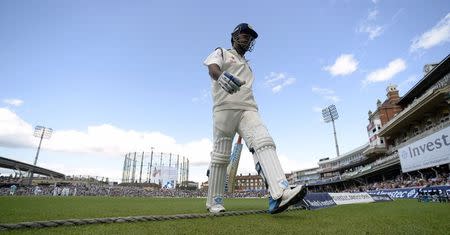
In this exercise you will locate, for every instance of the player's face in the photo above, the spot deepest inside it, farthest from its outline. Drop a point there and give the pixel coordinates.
(244, 40)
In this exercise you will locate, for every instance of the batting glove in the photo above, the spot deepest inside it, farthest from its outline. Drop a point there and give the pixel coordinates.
(230, 83)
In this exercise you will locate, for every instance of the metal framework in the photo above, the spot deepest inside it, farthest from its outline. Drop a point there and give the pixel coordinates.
(160, 166)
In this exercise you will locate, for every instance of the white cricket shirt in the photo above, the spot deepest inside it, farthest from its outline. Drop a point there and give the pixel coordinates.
(233, 63)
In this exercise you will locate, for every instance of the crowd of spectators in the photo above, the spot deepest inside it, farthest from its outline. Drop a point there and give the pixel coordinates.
(4, 179)
(403, 182)
(363, 168)
(81, 189)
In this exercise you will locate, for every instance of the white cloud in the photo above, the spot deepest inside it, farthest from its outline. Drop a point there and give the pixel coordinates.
(14, 132)
(394, 67)
(326, 94)
(13, 102)
(373, 31)
(368, 26)
(375, 1)
(439, 34)
(101, 139)
(277, 81)
(345, 64)
(372, 15)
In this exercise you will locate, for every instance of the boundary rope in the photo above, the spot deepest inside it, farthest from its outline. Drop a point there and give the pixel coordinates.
(129, 219)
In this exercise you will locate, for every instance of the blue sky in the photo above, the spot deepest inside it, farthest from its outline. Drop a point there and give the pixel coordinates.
(112, 77)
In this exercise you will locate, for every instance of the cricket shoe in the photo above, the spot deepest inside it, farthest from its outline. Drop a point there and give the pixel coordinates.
(216, 209)
(289, 197)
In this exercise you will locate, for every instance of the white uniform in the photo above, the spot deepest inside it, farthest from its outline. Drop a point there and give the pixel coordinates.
(12, 190)
(238, 113)
(37, 190)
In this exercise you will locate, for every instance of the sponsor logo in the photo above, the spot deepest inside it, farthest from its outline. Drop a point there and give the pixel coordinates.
(382, 197)
(415, 151)
(398, 193)
(429, 151)
(283, 184)
(407, 192)
(318, 200)
(350, 197)
(226, 184)
(218, 200)
(316, 203)
(411, 193)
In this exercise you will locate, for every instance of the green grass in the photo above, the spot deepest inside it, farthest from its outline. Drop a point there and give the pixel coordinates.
(398, 217)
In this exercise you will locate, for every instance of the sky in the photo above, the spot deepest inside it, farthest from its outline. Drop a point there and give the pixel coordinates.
(112, 77)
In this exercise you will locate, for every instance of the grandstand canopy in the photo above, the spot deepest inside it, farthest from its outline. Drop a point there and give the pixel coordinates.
(427, 81)
(16, 165)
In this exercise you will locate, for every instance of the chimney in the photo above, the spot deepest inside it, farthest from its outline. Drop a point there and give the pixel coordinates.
(392, 94)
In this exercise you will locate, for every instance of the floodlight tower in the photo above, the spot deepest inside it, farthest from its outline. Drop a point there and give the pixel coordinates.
(42, 133)
(329, 115)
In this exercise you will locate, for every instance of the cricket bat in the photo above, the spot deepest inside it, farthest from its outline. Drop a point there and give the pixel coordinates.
(233, 166)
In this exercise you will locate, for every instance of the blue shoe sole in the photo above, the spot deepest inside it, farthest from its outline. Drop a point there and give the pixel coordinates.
(294, 200)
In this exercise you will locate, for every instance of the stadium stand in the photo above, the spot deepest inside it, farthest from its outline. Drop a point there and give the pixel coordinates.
(396, 124)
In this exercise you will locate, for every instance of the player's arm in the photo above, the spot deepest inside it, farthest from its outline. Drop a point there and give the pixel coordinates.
(214, 71)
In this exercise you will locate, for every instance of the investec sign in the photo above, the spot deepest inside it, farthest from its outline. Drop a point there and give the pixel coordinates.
(427, 152)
